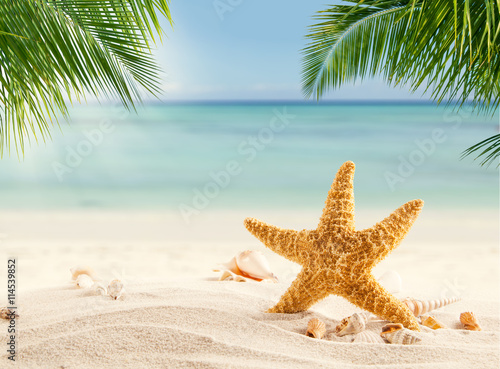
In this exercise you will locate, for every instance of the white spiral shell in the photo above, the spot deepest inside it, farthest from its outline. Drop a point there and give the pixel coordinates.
(395, 333)
(420, 307)
(352, 324)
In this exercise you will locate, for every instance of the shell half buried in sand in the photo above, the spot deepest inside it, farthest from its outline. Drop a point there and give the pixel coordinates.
(431, 322)
(251, 265)
(421, 307)
(469, 320)
(115, 289)
(351, 325)
(367, 337)
(395, 333)
(7, 314)
(84, 281)
(315, 328)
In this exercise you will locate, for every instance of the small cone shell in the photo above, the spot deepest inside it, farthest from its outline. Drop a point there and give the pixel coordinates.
(395, 333)
(353, 324)
(315, 328)
(7, 314)
(115, 289)
(469, 320)
(421, 307)
(368, 337)
(84, 281)
(431, 322)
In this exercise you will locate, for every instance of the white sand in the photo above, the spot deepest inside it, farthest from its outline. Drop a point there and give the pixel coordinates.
(173, 316)
(209, 324)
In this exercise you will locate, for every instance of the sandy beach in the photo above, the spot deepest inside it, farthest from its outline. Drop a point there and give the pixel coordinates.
(176, 314)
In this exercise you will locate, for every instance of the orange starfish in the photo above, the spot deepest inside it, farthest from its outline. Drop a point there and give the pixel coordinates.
(337, 259)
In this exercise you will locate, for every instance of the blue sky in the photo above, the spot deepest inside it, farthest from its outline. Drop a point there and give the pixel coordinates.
(245, 50)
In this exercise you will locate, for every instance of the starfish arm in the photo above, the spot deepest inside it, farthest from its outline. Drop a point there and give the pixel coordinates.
(377, 242)
(338, 213)
(307, 289)
(285, 242)
(371, 296)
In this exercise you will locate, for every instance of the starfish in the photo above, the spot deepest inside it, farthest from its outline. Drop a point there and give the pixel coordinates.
(337, 259)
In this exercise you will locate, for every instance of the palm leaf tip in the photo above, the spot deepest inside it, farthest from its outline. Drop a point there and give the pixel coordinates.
(55, 51)
(450, 48)
(488, 150)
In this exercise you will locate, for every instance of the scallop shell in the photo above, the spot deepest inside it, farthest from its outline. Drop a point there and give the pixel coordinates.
(99, 288)
(391, 281)
(352, 324)
(368, 337)
(248, 264)
(115, 289)
(469, 320)
(420, 307)
(84, 281)
(76, 271)
(315, 328)
(431, 322)
(6, 313)
(395, 333)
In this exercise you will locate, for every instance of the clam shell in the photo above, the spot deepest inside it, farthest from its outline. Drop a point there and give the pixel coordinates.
(368, 337)
(395, 333)
(115, 289)
(76, 271)
(431, 322)
(84, 281)
(352, 324)
(469, 320)
(6, 313)
(316, 328)
(420, 307)
(248, 264)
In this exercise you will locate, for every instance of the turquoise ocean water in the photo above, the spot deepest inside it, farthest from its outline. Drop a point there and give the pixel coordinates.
(273, 155)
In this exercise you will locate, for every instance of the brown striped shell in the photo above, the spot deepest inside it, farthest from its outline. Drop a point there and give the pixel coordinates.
(431, 322)
(315, 328)
(469, 320)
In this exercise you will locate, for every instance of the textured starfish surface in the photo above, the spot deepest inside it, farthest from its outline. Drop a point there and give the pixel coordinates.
(337, 259)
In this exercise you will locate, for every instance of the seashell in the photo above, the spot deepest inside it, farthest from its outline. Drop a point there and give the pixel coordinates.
(248, 264)
(76, 271)
(352, 324)
(469, 320)
(315, 328)
(99, 288)
(115, 289)
(6, 313)
(368, 337)
(431, 322)
(395, 333)
(391, 281)
(420, 307)
(84, 281)
(227, 275)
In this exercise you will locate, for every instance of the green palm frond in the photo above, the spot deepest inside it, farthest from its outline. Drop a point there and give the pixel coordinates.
(488, 150)
(449, 47)
(52, 51)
